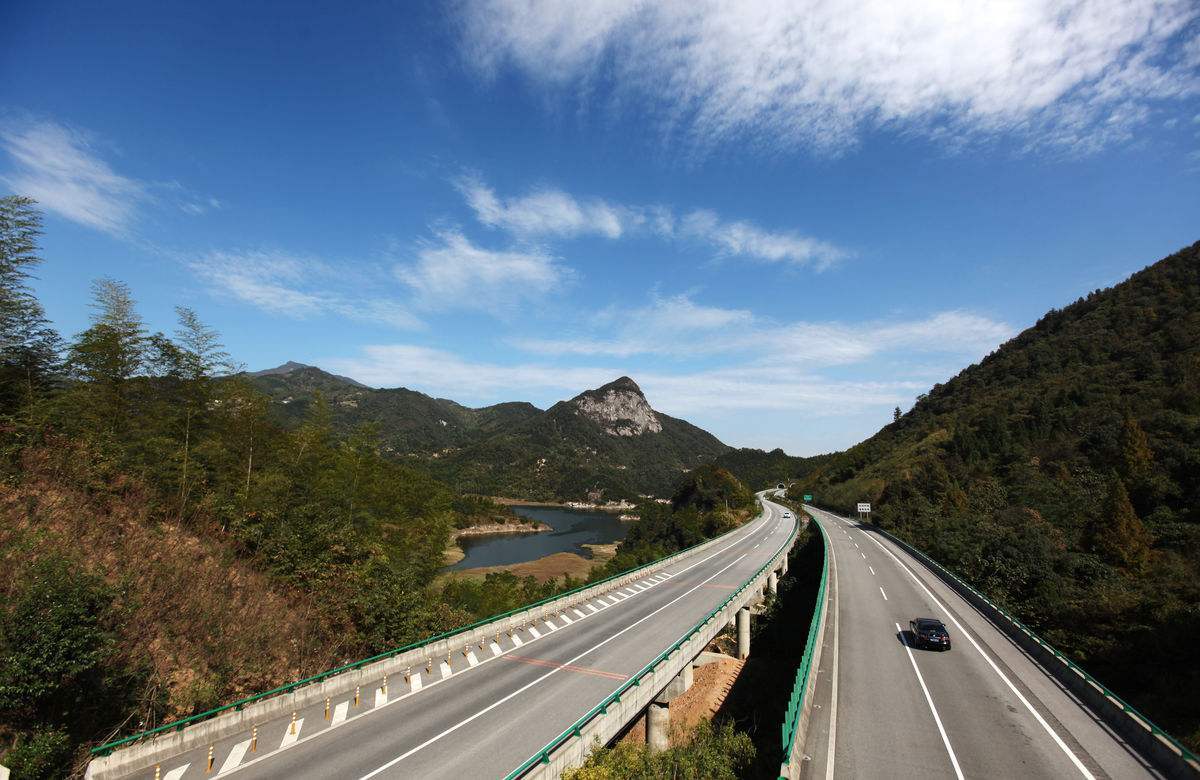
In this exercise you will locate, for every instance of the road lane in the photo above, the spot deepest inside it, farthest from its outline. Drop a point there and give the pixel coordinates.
(1002, 714)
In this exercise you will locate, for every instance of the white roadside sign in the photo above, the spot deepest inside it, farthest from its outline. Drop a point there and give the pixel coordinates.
(864, 507)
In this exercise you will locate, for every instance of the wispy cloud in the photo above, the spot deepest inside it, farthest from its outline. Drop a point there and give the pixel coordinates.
(1076, 74)
(56, 166)
(678, 327)
(552, 213)
(60, 168)
(298, 287)
(453, 273)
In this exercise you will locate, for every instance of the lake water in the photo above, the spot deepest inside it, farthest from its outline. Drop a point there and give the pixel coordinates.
(572, 529)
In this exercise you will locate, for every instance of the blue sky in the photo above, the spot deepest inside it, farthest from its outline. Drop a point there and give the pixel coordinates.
(782, 221)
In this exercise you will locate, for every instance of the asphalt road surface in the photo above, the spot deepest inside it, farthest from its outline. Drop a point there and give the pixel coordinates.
(501, 705)
(983, 709)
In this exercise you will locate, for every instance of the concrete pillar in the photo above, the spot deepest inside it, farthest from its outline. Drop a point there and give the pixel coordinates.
(658, 726)
(773, 582)
(688, 675)
(743, 620)
(783, 570)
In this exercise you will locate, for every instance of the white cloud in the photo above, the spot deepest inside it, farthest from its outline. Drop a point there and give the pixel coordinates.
(549, 212)
(453, 273)
(678, 327)
(543, 212)
(298, 287)
(56, 166)
(1077, 74)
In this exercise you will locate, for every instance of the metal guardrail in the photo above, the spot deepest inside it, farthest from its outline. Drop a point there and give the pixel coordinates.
(179, 725)
(575, 729)
(791, 719)
(1187, 754)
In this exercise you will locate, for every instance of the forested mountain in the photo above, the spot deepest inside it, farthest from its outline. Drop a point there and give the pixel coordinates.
(1062, 476)
(759, 469)
(407, 422)
(607, 439)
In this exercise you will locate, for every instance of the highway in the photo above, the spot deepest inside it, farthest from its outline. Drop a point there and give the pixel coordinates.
(501, 704)
(982, 709)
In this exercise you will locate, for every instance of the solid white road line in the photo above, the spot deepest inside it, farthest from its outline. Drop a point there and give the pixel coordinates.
(553, 671)
(1037, 716)
(929, 699)
(830, 748)
(885, 598)
(235, 756)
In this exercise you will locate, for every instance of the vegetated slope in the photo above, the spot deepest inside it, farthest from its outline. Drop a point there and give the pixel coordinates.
(607, 439)
(759, 468)
(1062, 476)
(407, 422)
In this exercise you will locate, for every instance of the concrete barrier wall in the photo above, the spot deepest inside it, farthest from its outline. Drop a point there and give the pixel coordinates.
(603, 728)
(1158, 750)
(153, 750)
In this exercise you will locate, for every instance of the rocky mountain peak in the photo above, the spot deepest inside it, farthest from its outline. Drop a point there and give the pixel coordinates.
(618, 407)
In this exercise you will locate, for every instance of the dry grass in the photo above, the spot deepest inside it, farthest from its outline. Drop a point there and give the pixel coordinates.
(205, 626)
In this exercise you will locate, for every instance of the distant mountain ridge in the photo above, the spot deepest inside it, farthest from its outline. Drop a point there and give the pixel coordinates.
(607, 441)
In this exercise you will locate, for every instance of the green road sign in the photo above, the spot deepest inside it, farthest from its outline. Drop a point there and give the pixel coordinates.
(807, 498)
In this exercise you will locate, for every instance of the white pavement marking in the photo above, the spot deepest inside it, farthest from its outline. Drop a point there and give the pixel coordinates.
(577, 612)
(549, 625)
(495, 648)
(415, 682)
(176, 773)
(864, 555)
(929, 699)
(381, 697)
(536, 634)
(566, 619)
(340, 712)
(289, 736)
(235, 756)
(872, 568)
(553, 671)
(592, 607)
(1037, 716)
(472, 660)
(517, 640)
(445, 669)
(831, 747)
(885, 598)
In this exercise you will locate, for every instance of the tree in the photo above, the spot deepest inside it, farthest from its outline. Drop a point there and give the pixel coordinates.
(110, 353)
(896, 414)
(29, 347)
(200, 356)
(1118, 535)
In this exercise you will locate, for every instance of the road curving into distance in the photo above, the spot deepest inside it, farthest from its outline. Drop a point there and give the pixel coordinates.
(884, 708)
(503, 703)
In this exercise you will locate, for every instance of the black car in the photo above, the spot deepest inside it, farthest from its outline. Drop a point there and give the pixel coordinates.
(929, 632)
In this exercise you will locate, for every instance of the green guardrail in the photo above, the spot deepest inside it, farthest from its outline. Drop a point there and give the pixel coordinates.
(179, 725)
(576, 729)
(791, 720)
(1187, 754)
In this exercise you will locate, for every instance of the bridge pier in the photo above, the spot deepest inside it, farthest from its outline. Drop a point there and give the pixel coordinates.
(743, 631)
(783, 567)
(773, 583)
(658, 713)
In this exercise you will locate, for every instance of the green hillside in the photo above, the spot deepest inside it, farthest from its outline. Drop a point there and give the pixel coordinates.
(571, 449)
(1062, 476)
(758, 468)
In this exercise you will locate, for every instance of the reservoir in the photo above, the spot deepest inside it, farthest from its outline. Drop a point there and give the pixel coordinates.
(572, 528)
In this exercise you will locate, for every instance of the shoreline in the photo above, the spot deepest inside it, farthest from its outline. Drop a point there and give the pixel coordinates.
(578, 506)
(455, 553)
(548, 567)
